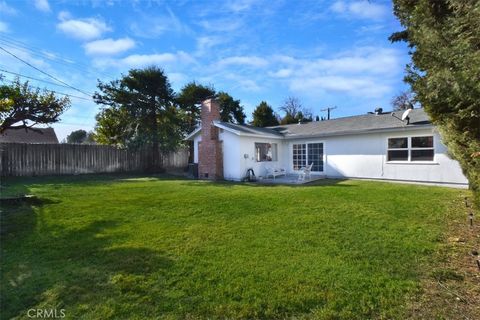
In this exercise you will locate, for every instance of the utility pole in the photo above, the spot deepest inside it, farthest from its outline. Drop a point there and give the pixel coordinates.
(328, 111)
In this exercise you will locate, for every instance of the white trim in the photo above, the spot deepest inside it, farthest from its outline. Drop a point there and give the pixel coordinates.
(306, 155)
(409, 150)
(238, 133)
(193, 133)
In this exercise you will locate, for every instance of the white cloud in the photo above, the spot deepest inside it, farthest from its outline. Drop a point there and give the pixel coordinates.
(281, 73)
(221, 24)
(360, 9)
(6, 9)
(249, 85)
(353, 85)
(141, 60)
(109, 46)
(251, 61)
(64, 15)
(238, 6)
(177, 78)
(42, 5)
(4, 27)
(149, 26)
(83, 29)
(205, 43)
(368, 60)
(365, 71)
(16, 65)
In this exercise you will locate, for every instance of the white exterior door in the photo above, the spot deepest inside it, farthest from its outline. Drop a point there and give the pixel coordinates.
(304, 154)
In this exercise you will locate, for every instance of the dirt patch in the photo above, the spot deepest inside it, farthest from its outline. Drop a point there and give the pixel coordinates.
(451, 288)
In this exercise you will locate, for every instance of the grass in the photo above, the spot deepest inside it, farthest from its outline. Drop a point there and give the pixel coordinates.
(109, 247)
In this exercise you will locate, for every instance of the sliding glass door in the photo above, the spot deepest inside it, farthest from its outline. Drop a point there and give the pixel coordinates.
(308, 153)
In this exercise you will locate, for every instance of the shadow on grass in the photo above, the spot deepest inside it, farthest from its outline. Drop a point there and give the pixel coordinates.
(16, 186)
(43, 265)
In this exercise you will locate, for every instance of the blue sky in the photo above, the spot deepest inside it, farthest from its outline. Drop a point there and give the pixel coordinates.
(326, 53)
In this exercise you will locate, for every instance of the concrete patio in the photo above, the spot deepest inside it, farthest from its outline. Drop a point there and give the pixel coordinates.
(289, 179)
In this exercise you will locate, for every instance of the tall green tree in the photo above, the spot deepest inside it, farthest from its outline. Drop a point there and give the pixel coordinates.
(188, 100)
(444, 40)
(81, 136)
(193, 93)
(139, 110)
(24, 107)
(230, 109)
(77, 136)
(264, 116)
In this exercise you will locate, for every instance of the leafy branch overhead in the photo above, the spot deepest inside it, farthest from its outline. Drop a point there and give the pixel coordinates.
(24, 107)
(444, 37)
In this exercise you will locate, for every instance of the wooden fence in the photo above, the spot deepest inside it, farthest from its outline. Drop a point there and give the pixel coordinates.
(22, 159)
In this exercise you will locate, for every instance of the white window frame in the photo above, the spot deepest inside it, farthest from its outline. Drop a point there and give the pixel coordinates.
(410, 148)
(306, 143)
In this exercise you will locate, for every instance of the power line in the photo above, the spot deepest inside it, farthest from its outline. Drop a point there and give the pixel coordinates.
(32, 78)
(45, 73)
(328, 111)
(52, 57)
(62, 93)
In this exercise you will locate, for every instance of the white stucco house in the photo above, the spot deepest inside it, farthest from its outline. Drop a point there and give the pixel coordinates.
(370, 146)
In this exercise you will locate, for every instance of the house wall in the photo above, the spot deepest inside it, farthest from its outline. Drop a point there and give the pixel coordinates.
(196, 140)
(235, 165)
(353, 156)
(364, 156)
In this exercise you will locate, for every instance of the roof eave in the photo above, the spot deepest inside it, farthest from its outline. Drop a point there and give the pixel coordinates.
(346, 133)
(193, 134)
(239, 133)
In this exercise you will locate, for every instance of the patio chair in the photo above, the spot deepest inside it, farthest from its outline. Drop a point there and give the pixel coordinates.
(305, 172)
(275, 172)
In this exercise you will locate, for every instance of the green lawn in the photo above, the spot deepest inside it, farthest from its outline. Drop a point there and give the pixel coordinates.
(125, 247)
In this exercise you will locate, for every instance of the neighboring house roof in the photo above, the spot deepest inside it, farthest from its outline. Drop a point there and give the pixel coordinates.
(340, 126)
(39, 135)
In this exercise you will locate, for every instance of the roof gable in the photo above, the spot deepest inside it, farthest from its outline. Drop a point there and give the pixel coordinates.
(39, 135)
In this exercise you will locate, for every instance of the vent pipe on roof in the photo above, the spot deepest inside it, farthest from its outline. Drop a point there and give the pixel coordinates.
(378, 111)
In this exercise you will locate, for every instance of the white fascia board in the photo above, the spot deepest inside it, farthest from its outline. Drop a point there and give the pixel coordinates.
(238, 133)
(193, 134)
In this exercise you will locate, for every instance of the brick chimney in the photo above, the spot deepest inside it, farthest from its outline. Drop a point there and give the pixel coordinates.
(210, 155)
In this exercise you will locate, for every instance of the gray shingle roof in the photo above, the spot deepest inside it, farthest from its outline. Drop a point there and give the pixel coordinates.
(354, 124)
(45, 135)
(247, 129)
(340, 126)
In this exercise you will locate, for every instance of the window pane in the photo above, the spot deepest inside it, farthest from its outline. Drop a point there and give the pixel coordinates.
(265, 152)
(422, 142)
(397, 143)
(299, 156)
(315, 156)
(397, 155)
(422, 155)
